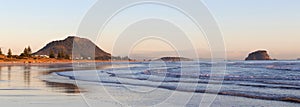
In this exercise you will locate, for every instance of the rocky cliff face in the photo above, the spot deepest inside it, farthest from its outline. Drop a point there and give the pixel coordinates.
(259, 55)
(83, 48)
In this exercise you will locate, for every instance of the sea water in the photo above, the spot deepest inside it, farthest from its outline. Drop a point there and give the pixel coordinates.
(263, 80)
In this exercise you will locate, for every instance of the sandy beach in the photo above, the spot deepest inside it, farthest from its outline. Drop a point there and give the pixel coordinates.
(96, 95)
(149, 53)
(40, 85)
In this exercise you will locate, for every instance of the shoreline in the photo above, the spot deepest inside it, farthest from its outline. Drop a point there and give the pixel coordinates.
(54, 61)
(238, 95)
(94, 90)
(107, 94)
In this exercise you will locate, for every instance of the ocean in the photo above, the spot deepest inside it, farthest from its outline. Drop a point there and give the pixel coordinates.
(262, 80)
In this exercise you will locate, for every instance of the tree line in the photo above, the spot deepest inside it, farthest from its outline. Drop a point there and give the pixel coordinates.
(60, 55)
(27, 53)
(9, 53)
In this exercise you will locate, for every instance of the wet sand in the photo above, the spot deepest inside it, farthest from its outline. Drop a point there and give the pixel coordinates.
(23, 86)
(29, 85)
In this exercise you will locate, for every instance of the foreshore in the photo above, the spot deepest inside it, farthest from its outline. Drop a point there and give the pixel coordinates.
(38, 90)
(52, 61)
(111, 95)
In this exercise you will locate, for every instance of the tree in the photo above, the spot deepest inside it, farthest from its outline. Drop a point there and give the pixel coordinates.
(125, 58)
(117, 58)
(67, 56)
(22, 55)
(58, 55)
(61, 55)
(9, 53)
(25, 52)
(1, 52)
(51, 55)
(29, 51)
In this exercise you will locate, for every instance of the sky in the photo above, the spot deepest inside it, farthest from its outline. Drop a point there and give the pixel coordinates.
(247, 25)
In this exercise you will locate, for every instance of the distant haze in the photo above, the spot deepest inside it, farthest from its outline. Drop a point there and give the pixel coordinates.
(247, 25)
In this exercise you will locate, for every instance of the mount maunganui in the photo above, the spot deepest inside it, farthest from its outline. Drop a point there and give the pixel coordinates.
(76, 47)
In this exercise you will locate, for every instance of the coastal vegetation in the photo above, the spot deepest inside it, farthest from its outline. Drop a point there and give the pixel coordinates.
(1, 52)
(62, 51)
(9, 53)
(27, 57)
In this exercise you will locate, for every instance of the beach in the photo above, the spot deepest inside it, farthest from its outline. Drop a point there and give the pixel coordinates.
(68, 85)
(21, 85)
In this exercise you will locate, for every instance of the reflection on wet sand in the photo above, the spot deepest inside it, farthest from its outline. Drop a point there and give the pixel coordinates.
(62, 87)
(25, 77)
(0, 72)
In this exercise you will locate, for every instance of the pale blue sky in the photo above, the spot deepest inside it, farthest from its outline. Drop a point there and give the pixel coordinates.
(247, 25)
(259, 24)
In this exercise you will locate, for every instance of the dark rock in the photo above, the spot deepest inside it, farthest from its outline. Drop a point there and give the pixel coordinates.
(174, 59)
(259, 55)
(83, 48)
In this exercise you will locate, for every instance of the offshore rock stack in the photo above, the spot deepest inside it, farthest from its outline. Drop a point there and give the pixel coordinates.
(259, 55)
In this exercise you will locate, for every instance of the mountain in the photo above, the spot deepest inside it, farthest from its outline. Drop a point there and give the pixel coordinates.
(259, 55)
(83, 49)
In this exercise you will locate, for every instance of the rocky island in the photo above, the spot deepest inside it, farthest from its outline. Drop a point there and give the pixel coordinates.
(174, 59)
(259, 55)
